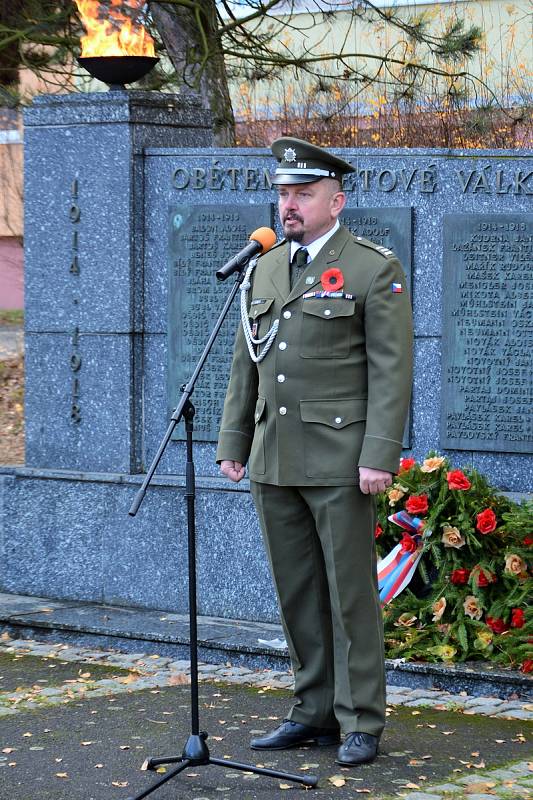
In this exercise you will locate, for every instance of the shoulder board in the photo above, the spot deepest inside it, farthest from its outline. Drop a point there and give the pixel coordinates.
(379, 248)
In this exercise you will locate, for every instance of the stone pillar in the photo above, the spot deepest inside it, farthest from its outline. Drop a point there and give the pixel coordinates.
(84, 269)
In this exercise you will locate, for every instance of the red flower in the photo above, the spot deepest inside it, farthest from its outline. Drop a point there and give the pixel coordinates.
(460, 576)
(378, 531)
(458, 480)
(497, 624)
(408, 544)
(483, 577)
(332, 280)
(406, 464)
(527, 666)
(486, 521)
(518, 618)
(528, 541)
(417, 504)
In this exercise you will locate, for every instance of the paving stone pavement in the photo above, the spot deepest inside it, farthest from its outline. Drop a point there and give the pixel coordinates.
(155, 671)
(513, 782)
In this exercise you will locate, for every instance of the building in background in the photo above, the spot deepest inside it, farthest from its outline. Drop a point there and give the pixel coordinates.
(492, 110)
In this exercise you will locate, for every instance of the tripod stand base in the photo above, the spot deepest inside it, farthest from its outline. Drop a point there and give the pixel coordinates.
(196, 754)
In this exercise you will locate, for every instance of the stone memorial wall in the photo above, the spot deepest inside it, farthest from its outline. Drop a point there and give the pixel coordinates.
(129, 212)
(487, 396)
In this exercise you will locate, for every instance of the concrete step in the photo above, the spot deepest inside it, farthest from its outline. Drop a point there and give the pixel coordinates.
(219, 640)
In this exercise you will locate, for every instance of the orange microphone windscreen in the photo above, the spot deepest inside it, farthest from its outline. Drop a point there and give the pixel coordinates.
(265, 236)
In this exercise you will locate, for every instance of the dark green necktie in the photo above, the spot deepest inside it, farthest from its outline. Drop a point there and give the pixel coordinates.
(298, 264)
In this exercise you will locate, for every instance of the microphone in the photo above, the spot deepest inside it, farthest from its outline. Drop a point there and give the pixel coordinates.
(261, 240)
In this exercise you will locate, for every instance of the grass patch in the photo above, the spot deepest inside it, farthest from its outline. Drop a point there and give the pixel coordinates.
(12, 316)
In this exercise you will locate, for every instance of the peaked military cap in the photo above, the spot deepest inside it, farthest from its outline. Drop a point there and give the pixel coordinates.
(302, 162)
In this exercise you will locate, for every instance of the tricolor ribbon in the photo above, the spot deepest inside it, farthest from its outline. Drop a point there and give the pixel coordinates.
(396, 570)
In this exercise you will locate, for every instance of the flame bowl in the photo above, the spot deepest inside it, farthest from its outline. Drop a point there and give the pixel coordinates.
(118, 70)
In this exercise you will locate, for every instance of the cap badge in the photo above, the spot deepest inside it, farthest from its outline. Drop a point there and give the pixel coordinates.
(289, 154)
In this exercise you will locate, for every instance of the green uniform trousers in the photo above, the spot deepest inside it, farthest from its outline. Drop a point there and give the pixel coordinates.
(320, 543)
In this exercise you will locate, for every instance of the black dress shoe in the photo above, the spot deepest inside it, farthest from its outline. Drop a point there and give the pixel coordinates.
(357, 748)
(291, 734)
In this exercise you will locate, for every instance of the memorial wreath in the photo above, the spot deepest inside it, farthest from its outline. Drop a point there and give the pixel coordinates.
(455, 584)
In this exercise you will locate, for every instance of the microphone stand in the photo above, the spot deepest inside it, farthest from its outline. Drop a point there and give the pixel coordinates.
(195, 752)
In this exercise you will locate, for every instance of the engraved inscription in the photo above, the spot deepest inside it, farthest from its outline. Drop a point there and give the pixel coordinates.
(488, 333)
(203, 238)
(74, 215)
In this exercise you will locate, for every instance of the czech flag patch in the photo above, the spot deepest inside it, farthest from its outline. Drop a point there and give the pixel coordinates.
(397, 288)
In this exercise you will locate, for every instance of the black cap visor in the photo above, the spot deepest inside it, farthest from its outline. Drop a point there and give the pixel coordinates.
(282, 180)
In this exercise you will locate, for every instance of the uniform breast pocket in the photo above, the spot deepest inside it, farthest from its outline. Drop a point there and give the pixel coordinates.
(261, 316)
(327, 327)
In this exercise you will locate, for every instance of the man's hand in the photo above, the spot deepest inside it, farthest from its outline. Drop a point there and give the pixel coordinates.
(373, 481)
(232, 470)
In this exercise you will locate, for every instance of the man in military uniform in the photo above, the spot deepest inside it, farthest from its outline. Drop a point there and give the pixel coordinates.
(317, 402)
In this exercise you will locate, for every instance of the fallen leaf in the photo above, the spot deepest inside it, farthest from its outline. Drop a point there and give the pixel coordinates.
(131, 678)
(483, 787)
(27, 734)
(161, 770)
(119, 783)
(285, 786)
(9, 749)
(410, 786)
(178, 680)
(362, 791)
(84, 675)
(499, 741)
(337, 780)
(86, 744)
(61, 774)
(447, 733)
(415, 713)
(98, 766)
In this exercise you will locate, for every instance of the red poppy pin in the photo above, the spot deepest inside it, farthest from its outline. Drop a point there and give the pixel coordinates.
(332, 280)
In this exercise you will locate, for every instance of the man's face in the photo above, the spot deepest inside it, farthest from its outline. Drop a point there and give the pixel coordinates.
(309, 210)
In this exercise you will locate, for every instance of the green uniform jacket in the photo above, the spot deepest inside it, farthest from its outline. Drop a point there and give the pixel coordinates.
(333, 391)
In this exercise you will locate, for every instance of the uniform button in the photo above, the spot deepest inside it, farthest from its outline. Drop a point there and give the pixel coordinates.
(327, 312)
(287, 315)
(282, 345)
(283, 411)
(338, 420)
(281, 378)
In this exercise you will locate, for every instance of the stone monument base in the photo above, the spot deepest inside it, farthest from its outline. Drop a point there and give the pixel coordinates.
(80, 544)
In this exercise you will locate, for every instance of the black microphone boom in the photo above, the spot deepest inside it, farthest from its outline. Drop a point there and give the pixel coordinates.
(240, 260)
